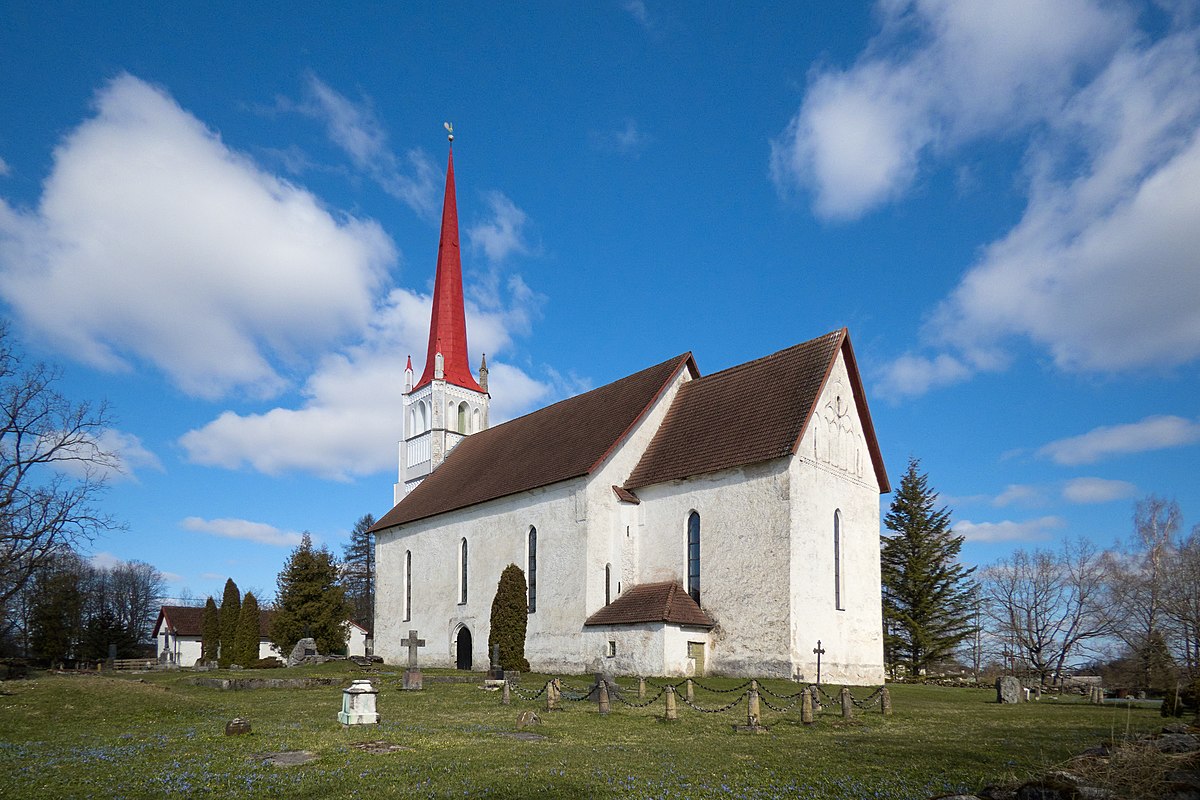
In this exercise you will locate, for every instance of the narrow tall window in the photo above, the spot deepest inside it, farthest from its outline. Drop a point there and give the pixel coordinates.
(607, 584)
(693, 556)
(837, 561)
(407, 585)
(462, 417)
(531, 573)
(462, 599)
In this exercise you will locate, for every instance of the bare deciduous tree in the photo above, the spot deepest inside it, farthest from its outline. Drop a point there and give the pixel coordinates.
(1139, 573)
(1048, 605)
(1181, 602)
(51, 471)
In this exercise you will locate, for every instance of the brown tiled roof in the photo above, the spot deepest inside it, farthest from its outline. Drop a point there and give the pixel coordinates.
(185, 620)
(753, 412)
(556, 443)
(652, 602)
(189, 620)
(626, 496)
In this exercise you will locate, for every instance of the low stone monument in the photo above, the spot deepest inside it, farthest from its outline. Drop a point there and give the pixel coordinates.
(1009, 690)
(237, 727)
(358, 704)
(413, 681)
(305, 649)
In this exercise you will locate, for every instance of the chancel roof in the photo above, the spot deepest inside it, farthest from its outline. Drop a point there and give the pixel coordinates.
(750, 413)
(652, 602)
(562, 441)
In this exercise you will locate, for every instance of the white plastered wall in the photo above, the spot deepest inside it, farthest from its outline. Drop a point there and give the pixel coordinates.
(744, 561)
(649, 648)
(497, 535)
(833, 471)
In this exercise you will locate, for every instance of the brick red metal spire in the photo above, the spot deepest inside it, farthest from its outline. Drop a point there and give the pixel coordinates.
(448, 322)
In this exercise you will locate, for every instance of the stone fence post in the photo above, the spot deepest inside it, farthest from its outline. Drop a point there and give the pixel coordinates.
(847, 703)
(672, 714)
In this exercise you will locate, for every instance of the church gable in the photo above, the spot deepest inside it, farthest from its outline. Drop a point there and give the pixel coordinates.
(747, 414)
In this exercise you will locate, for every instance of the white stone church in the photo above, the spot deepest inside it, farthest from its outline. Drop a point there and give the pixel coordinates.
(669, 523)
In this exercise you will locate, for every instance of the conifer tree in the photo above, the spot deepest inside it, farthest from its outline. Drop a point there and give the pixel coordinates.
(926, 591)
(210, 631)
(310, 601)
(231, 610)
(358, 571)
(245, 651)
(510, 616)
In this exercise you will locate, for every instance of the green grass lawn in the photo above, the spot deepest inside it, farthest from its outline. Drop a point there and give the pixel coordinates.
(157, 734)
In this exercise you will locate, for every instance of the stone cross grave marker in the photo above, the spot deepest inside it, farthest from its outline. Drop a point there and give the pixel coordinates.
(412, 676)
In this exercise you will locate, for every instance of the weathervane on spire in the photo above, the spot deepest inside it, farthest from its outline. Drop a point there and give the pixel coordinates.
(449, 131)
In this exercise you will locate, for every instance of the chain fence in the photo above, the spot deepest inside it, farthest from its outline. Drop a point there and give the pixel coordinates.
(751, 692)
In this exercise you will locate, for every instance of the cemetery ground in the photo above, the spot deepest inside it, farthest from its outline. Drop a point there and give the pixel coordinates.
(156, 734)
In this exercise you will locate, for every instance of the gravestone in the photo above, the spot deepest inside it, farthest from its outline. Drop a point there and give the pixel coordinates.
(413, 681)
(358, 704)
(1009, 690)
(496, 673)
(237, 727)
(304, 649)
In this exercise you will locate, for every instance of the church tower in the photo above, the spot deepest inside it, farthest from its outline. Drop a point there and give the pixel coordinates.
(446, 404)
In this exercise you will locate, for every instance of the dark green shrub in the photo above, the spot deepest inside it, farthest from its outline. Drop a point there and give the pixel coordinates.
(510, 615)
(270, 662)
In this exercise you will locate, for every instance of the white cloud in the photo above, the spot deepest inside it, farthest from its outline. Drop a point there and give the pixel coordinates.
(1008, 530)
(501, 234)
(1151, 433)
(1100, 269)
(637, 9)
(914, 375)
(356, 129)
(1097, 490)
(153, 240)
(939, 74)
(105, 560)
(112, 456)
(350, 420)
(4, 168)
(243, 529)
(629, 140)
(1018, 494)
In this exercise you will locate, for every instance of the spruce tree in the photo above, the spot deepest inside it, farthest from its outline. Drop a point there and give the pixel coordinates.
(926, 591)
(245, 651)
(310, 601)
(231, 610)
(358, 571)
(510, 615)
(210, 631)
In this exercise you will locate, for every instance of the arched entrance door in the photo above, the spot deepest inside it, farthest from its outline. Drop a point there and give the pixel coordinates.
(464, 648)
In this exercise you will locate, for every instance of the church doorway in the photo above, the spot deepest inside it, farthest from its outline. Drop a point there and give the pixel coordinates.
(463, 648)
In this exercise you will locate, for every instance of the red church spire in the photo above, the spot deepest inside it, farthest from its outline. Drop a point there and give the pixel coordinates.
(448, 323)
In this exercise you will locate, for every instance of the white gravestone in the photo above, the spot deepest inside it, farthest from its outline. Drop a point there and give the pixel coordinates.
(358, 704)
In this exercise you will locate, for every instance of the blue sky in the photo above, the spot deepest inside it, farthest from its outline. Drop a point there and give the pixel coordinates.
(223, 221)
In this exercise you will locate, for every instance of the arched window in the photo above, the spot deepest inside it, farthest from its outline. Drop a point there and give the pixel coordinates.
(607, 584)
(423, 416)
(475, 421)
(693, 556)
(531, 572)
(412, 421)
(462, 417)
(462, 576)
(407, 585)
(837, 561)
